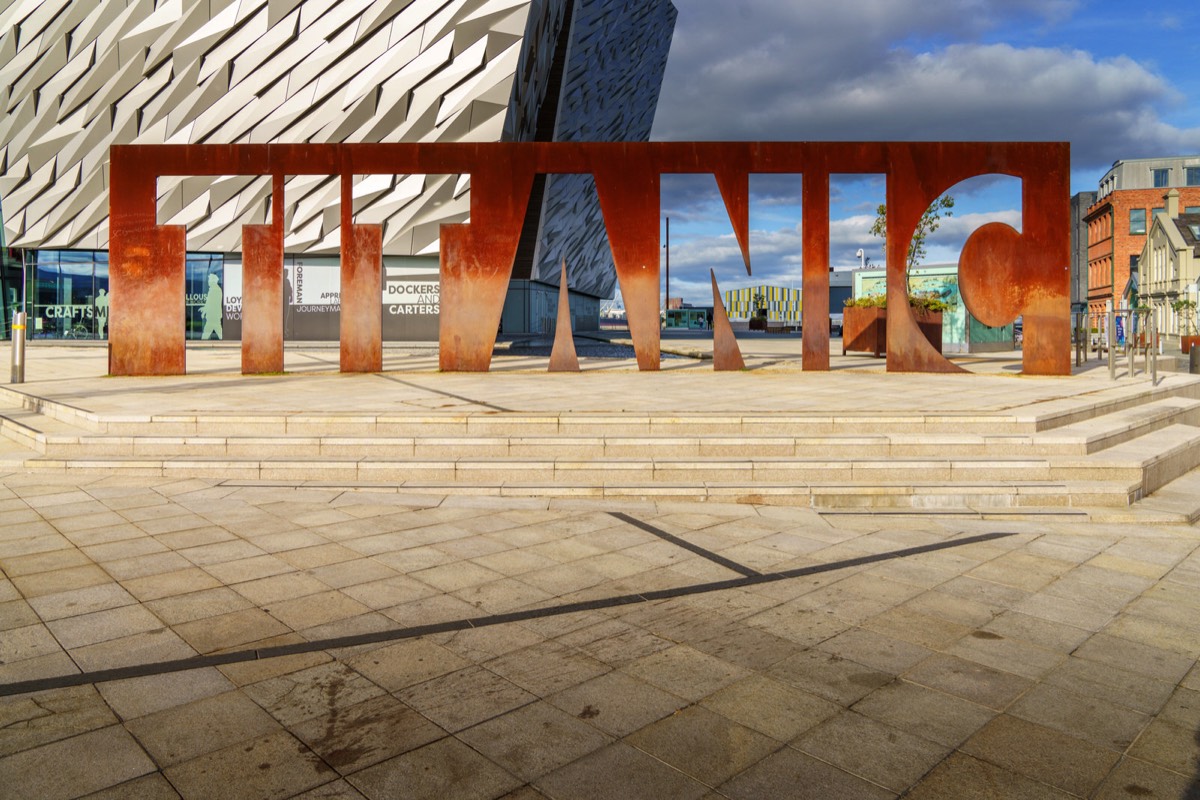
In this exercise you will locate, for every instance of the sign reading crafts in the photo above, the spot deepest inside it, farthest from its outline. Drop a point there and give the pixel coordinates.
(1003, 273)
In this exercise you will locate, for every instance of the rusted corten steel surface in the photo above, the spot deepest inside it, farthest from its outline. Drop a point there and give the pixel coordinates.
(562, 356)
(477, 258)
(727, 356)
(361, 333)
(814, 289)
(1002, 274)
(262, 290)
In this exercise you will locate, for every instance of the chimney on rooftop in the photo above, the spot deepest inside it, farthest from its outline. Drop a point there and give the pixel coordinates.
(1172, 198)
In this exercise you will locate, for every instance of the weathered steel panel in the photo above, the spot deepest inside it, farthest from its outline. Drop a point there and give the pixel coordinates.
(814, 290)
(147, 260)
(477, 258)
(361, 298)
(628, 188)
(562, 356)
(727, 356)
(146, 280)
(262, 299)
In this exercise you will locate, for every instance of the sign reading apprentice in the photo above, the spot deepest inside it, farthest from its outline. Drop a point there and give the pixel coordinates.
(312, 300)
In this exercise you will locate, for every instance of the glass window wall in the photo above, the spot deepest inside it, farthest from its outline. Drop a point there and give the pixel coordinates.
(69, 294)
(10, 288)
(205, 307)
(68, 298)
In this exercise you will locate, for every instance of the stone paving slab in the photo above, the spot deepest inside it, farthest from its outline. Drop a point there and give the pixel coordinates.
(411, 385)
(914, 655)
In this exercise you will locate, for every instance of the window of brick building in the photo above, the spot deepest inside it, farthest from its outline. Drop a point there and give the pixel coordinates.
(1162, 178)
(1137, 220)
(1193, 176)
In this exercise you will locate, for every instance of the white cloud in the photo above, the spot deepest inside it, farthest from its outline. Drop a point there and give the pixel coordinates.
(852, 70)
(892, 69)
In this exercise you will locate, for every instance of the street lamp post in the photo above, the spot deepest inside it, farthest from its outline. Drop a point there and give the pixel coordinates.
(667, 246)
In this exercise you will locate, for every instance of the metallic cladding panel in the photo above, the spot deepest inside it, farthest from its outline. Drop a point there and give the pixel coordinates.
(77, 76)
(616, 58)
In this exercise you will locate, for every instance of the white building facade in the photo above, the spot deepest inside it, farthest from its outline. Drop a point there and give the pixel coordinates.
(1170, 267)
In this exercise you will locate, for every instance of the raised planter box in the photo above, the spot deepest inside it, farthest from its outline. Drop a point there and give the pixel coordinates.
(864, 330)
(1186, 343)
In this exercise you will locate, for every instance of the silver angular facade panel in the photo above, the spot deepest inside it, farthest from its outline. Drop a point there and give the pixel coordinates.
(611, 73)
(77, 77)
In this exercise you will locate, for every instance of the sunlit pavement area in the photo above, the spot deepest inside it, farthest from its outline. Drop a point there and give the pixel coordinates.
(200, 638)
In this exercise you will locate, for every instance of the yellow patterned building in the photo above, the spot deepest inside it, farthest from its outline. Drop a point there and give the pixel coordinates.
(782, 304)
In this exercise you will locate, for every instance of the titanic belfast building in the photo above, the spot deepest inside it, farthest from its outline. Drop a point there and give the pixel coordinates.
(78, 76)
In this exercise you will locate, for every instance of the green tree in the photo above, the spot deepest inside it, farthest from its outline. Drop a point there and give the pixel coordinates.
(1186, 309)
(930, 221)
(760, 304)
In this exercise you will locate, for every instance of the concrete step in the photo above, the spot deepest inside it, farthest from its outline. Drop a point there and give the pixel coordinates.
(1154, 459)
(576, 470)
(1100, 433)
(921, 448)
(1177, 500)
(825, 483)
(540, 447)
(1144, 439)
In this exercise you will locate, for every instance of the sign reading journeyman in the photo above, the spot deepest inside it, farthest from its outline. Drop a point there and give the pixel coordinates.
(312, 307)
(1003, 273)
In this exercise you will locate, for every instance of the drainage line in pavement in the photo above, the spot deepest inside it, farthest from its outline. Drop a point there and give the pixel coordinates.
(376, 637)
(686, 545)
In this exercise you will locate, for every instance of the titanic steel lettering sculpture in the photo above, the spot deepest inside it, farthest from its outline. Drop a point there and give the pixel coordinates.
(1003, 274)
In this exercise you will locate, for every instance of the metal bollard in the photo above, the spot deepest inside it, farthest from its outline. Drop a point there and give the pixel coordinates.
(1152, 352)
(18, 348)
(1130, 344)
(1110, 340)
(1194, 363)
(1080, 341)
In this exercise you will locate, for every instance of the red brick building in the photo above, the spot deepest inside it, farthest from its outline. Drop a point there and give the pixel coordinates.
(1130, 194)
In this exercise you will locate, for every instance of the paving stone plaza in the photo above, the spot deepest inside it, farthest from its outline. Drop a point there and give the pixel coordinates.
(766, 584)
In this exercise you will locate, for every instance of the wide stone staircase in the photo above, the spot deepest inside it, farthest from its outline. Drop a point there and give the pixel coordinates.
(1093, 455)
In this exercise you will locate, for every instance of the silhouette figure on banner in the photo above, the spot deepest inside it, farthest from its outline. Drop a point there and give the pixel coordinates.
(288, 300)
(101, 313)
(214, 306)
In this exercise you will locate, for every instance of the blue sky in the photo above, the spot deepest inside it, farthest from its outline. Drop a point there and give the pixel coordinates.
(1117, 80)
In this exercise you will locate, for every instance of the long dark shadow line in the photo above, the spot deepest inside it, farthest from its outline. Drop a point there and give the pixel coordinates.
(179, 665)
(470, 400)
(686, 545)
